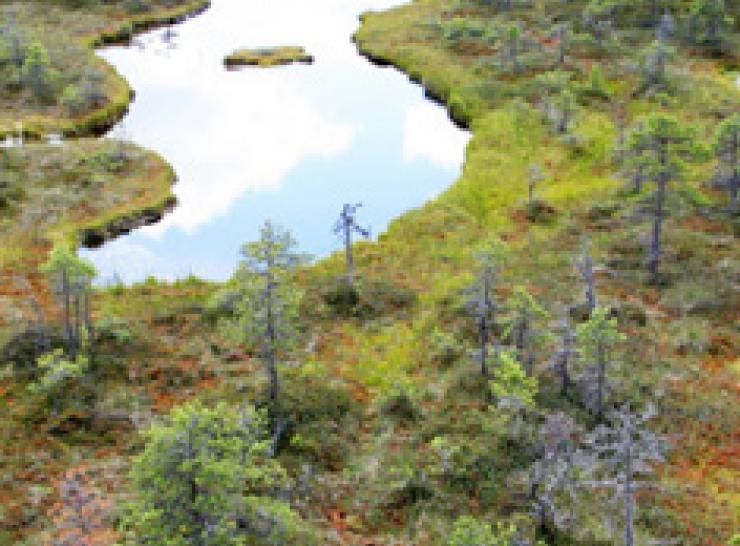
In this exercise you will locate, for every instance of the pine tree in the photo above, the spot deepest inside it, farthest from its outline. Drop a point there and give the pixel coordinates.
(268, 310)
(710, 20)
(526, 330)
(727, 150)
(661, 145)
(205, 478)
(37, 73)
(482, 303)
(597, 340)
(72, 278)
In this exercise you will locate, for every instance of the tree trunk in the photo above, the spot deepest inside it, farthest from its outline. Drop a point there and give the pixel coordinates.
(629, 497)
(735, 182)
(601, 382)
(655, 246)
(89, 326)
(350, 256)
(67, 304)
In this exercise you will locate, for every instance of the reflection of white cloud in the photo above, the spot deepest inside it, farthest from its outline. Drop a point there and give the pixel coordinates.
(429, 135)
(226, 159)
(225, 133)
(123, 260)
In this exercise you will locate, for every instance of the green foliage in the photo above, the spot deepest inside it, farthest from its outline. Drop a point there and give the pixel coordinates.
(57, 373)
(63, 261)
(88, 95)
(653, 68)
(269, 296)
(598, 335)
(526, 329)
(114, 330)
(205, 477)
(510, 384)
(64, 389)
(37, 73)
(710, 21)
(469, 531)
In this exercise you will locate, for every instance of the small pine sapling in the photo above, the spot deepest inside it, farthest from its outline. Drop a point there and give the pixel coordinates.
(598, 339)
(511, 386)
(526, 330)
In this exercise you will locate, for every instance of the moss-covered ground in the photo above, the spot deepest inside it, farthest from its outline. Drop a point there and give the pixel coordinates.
(378, 390)
(268, 57)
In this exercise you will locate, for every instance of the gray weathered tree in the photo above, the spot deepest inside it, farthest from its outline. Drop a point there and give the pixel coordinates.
(623, 452)
(13, 42)
(482, 301)
(347, 225)
(585, 266)
(554, 481)
(535, 175)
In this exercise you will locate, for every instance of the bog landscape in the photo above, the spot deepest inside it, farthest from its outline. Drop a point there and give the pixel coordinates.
(370, 272)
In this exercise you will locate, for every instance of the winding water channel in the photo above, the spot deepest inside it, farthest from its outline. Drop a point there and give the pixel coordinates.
(291, 144)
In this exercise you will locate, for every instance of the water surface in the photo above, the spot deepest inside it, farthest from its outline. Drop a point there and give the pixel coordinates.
(291, 144)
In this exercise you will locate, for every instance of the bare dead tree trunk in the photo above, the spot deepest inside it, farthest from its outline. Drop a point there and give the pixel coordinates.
(629, 496)
(350, 256)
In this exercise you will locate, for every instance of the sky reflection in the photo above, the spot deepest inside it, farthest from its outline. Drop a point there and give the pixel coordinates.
(291, 144)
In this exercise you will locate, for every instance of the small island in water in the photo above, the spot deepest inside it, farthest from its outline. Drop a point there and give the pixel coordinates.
(268, 57)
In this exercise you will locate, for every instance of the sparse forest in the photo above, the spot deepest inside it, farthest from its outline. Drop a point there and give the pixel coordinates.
(543, 355)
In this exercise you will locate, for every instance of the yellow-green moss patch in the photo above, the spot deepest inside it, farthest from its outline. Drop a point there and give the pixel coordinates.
(268, 57)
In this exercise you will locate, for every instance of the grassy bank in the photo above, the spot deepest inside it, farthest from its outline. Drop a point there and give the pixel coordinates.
(392, 437)
(77, 93)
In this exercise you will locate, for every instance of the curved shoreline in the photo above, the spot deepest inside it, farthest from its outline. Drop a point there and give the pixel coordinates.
(438, 96)
(101, 120)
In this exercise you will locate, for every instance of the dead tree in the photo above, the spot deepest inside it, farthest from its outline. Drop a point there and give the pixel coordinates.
(345, 226)
(623, 452)
(585, 266)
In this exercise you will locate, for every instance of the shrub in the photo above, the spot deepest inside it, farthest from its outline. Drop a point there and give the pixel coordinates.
(205, 477)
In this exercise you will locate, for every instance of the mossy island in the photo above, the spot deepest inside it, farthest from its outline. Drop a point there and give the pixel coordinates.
(267, 57)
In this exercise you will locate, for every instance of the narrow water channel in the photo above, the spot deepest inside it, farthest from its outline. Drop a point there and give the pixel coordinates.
(291, 144)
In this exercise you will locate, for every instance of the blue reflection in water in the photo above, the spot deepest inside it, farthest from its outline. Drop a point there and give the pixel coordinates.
(291, 144)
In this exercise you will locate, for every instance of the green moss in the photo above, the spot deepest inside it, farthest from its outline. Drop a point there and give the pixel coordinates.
(268, 57)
